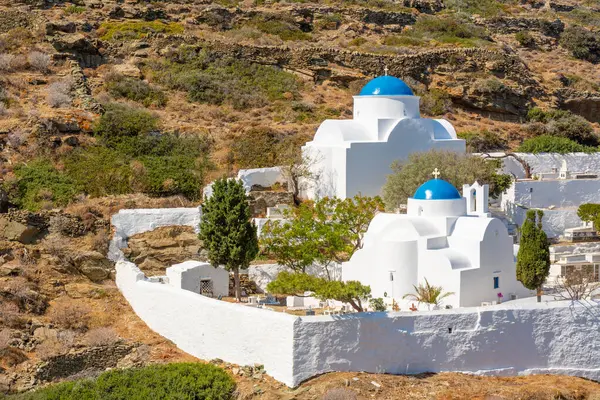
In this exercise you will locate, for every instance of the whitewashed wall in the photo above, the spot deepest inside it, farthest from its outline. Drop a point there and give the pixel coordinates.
(544, 162)
(127, 223)
(558, 193)
(500, 340)
(208, 328)
(492, 341)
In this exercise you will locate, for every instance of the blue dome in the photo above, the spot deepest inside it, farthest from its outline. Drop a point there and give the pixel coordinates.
(386, 86)
(436, 189)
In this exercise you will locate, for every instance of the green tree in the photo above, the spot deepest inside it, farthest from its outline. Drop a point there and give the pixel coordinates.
(428, 294)
(533, 258)
(226, 230)
(328, 231)
(457, 169)
(590, 212)
(352, 292)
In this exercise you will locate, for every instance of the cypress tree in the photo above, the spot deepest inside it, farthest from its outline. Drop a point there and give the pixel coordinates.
(226, 230)
(533, 258)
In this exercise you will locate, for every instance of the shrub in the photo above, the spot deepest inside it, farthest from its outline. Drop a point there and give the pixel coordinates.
(261, 147)
(213, 80)
(562, 124)
(552, 144)
(483, 141)
(377, 304)
(481, 7)
(39, 61)
(279, 25)
(74, 9)
(68, 315)
(435, 102)
(59, 94)
(168, 381)
(3, 109)
(38, 184)
(525, 38)
(101, 337)
(133, 30)
(166, 176)
(55, 346)
(489, 85)
(359, 41)
(121, 86)
(7, 62)
(120, 120)
(582, 43)
(99, 171)
(10, 316)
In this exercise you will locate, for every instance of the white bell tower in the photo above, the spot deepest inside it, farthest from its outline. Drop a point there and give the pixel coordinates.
(477, 197)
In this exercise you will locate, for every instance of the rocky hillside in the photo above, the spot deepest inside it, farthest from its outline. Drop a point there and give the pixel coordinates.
(122, 104)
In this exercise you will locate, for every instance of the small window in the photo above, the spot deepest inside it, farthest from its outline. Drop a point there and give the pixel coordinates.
(496, 282)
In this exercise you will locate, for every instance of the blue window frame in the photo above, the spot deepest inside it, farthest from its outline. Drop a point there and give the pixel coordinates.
(496, 282)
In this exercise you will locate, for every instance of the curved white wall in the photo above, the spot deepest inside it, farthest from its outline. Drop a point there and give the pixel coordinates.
(382, 107)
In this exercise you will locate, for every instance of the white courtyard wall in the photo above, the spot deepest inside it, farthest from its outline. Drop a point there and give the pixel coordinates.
(554, 221)
(491, 341)
(558, 193)
(127, 223)
(506, 340)
(544, 162)
(208, 328)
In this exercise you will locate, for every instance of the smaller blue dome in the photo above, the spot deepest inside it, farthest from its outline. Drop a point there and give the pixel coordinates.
(386, 86)
(436, 189)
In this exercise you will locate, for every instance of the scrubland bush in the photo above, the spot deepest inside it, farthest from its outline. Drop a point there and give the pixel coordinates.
(4, 338)
(209, 79)
(167, 381)
(582, 43)
(435, 102)
(553, 144)
(121, 86)
(7, 62)
(69, 315)
(260, 147)
(101, 337)
(120, 120)
(55, 346)
(483, 141)
(25, 295)
(74, 9)
(38, 184)
(489, 85)
(39, 61)
(279, 25)
(133, 30)
(59, 94)
(3, 109)
(525, 38)
(561, 123)
(10, 316)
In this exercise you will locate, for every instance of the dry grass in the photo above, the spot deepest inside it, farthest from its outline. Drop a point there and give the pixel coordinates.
(70, 315)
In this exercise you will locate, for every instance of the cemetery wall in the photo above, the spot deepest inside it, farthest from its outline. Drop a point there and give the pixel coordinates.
(524, 338)
(544, 162)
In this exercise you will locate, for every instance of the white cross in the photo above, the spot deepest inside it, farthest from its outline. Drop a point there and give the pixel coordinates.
(436, 173)
(385, 70)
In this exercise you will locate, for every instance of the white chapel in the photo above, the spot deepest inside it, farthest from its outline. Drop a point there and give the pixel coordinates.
(445, 237)
(354, 156)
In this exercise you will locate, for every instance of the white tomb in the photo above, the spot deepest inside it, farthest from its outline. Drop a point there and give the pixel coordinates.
(353, 156)
(446, 238)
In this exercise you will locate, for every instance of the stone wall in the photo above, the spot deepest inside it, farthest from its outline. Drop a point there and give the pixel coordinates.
(519, 339)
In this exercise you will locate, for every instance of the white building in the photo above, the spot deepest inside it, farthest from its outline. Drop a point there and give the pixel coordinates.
(354, 156)
(199, 277)
(446, 238)
(560, 183)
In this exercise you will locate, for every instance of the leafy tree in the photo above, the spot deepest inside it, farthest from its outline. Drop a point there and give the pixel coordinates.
(352, 292)
(533, 258)
(226, 230)
(428, 294)
(328, 231)
(377, 304)
(457, 169)
(552, 144)
(590, 212)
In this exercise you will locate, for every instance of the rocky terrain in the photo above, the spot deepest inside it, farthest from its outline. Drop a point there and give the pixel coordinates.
(127, 104)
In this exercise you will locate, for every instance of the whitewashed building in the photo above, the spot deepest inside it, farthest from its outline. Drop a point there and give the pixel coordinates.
(445, 237)
(353, 156)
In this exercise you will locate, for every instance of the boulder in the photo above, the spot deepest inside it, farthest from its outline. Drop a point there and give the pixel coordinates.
(18, 232)
(60, 26)
(74, 43)
(128, 70)
(93, 265)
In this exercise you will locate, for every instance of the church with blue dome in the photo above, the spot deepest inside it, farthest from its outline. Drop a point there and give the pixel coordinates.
(355, 155)
(446, 238)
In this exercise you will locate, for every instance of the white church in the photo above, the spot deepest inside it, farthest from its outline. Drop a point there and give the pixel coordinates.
(446, 238)
(354, 156)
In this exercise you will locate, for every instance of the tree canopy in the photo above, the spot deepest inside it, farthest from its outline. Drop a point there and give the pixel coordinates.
(352, 292)
(533, 258)
(226, 231)
(327, 231)
(553, 144)
(458, 169)
(590, 212)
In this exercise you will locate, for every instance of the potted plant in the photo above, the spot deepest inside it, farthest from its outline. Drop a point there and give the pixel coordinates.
(500, 296)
